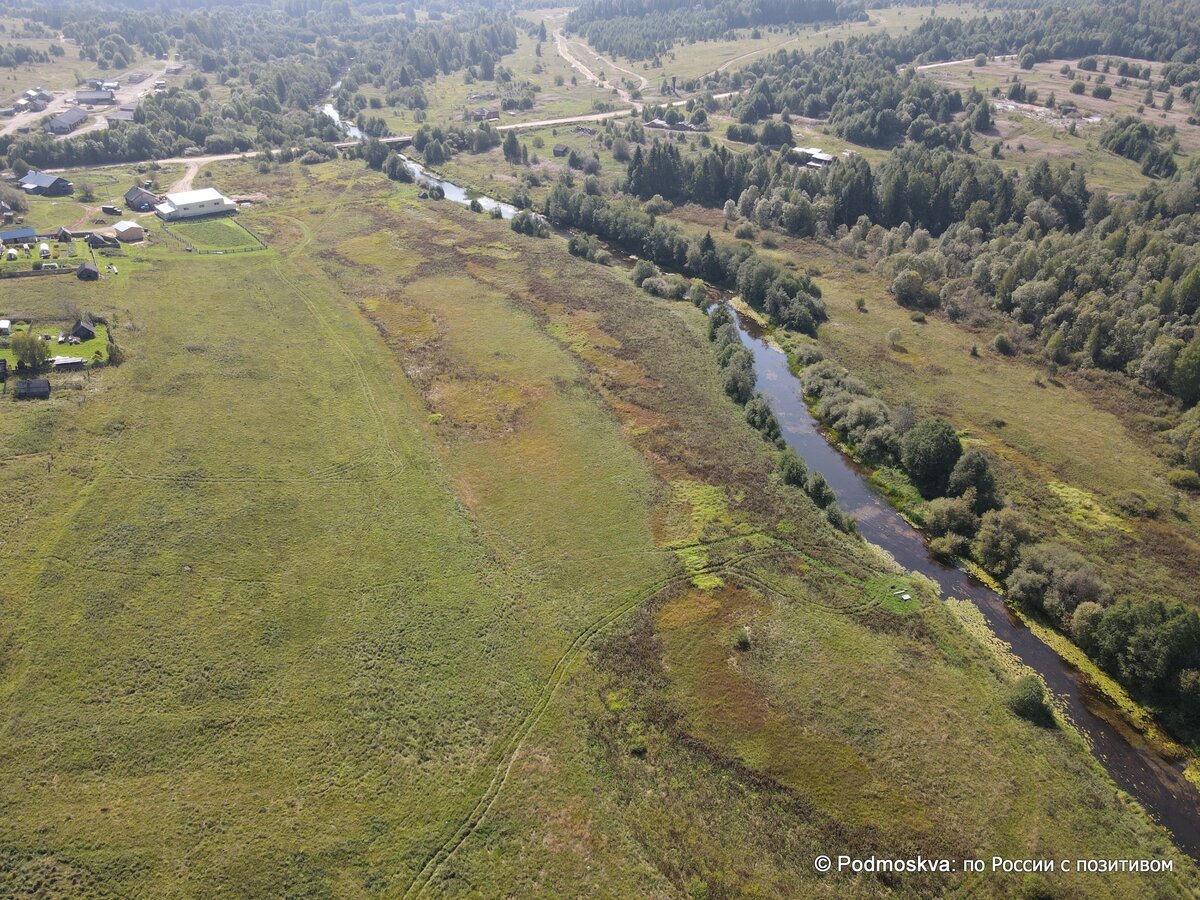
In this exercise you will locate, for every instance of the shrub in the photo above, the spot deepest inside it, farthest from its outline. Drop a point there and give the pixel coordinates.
(973, 472)
(744, 232)
(792, 469)
(819, 490)
(1184, 479)
(1002, 345)
(998, 543)
(1056, 581)
(929, 452)
(642, 270)
(759, 415)
(1027, 698)
(947, 515)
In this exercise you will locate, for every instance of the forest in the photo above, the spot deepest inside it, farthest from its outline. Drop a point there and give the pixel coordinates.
(644, 29)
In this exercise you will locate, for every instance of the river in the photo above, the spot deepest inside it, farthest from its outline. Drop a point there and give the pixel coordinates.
(1157, 783)
(1137, 768)
(452, 191)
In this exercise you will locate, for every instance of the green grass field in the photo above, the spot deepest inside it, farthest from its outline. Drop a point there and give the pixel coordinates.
(213, 234)
(412, 553)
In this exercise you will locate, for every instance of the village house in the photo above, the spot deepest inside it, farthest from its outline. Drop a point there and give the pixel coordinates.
(100, 97)
(816, 157)
(123, 113)
(33, 389)
(45, 185)
(66, 121)
(83, 329)
(140, 200)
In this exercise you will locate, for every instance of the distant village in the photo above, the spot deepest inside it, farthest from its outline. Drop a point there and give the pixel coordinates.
(114, 100)
(26, 349)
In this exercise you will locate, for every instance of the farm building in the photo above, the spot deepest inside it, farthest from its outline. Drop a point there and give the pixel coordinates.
(66, 121)
(47, 185)
(194, 204)
(124, 113)
(91, 98)
(129, 232)
(87, 272)
(98, 241)
(817, 158)
(140, 200)
(5, 326)
(33, 389)
(67, 363)
(18, 235)
(83, 329)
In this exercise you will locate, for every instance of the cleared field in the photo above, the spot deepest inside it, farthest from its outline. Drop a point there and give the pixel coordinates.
(703, 57)
(325, 593)
(450, 97)
(1031, 131)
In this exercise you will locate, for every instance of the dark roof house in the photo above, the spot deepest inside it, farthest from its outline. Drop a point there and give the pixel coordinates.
(140, 199)
(47, 185)
(83, 329)
(66, 121)
(18, 235)
(33, 389)
(88, 272)
(561, 149)
(93, 97)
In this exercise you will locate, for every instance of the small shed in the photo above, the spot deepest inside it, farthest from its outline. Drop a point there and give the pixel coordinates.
(87, 272)
(83, 329)
(129, 232)
(5, 326)
(33, 389)
(67, 363)
(561, 149)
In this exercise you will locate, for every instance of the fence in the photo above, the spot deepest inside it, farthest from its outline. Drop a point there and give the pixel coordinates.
(193, 249)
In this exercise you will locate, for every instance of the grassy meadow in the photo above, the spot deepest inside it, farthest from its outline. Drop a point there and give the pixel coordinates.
(413, 555)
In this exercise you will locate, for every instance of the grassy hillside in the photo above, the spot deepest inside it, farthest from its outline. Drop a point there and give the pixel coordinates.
(413, 553)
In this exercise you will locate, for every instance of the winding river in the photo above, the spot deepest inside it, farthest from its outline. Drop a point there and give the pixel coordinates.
(1137, 768)
(1157, 783)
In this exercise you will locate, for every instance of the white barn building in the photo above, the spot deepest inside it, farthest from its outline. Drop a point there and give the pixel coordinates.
(193, 204)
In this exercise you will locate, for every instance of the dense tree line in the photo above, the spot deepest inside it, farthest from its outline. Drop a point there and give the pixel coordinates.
(644, 29)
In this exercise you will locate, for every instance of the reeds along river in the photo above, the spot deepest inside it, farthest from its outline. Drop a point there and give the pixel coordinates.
(1158, 784)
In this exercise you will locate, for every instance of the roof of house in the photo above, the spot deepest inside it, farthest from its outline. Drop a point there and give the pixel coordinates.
(33, 386)
(70, 117)
(140, 193)
(93, 96)
(39, 179)
(18, 234)
(124, 225)
(120, 115)
(67, 360)
(88, 270)
(83, 325)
